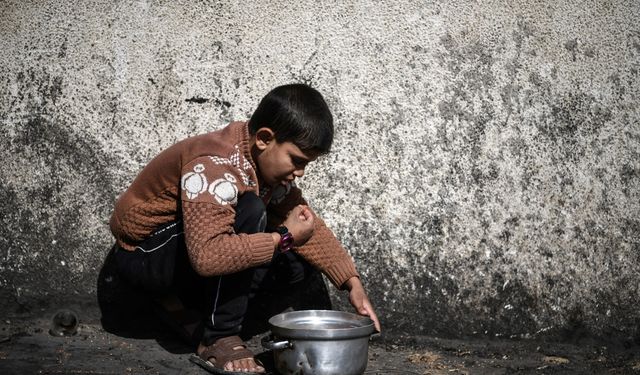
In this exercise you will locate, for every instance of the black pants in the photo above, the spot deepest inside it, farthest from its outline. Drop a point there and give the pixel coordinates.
(160, 266)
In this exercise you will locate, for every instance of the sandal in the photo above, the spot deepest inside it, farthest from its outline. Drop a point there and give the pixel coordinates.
(223, 352)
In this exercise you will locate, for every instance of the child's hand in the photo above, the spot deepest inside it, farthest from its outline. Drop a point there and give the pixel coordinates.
(300, 223)
(359, 300)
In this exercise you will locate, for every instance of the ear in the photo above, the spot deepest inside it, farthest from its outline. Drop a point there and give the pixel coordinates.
(264, 137)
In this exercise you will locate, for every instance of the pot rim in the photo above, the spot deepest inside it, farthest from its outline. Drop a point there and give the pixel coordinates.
(363, 325)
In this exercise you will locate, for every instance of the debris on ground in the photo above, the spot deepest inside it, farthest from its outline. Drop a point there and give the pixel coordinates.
(555, 360)
(428, 358)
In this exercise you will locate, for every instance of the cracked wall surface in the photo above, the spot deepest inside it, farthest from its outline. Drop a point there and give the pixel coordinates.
(485, 173)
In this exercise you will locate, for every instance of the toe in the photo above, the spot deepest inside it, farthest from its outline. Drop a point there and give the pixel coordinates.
(247, 364)
(229, 366)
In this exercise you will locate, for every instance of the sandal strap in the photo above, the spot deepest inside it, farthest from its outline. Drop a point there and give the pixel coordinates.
(223, 351)
(229, 342)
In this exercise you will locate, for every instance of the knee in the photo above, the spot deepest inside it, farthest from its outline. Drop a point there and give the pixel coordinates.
(251, 214)
(291, 268)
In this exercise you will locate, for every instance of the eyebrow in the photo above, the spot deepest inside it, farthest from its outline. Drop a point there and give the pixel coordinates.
(301, 156)
(303, 159)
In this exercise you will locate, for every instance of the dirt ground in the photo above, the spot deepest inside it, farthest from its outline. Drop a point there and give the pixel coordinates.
(26, 347)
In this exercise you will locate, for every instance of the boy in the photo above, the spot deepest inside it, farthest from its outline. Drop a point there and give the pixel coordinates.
(209, 211)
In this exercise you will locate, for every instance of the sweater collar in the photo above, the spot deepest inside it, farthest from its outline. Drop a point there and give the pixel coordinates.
(245, 147)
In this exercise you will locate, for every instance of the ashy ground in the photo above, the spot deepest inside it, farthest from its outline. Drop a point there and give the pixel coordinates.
(26, 347)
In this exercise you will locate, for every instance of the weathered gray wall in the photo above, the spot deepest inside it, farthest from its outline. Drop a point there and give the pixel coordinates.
(485, 174)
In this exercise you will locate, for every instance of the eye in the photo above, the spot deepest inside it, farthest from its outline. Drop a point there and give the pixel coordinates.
(299, 163)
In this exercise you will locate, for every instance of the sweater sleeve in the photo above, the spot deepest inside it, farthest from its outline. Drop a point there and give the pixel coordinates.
(323, 250)
(209, 193)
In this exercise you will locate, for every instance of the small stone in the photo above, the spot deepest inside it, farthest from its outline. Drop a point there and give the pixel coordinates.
(555, 360)
(64, 323)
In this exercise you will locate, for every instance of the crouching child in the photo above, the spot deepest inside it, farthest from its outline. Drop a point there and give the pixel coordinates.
(208, 218)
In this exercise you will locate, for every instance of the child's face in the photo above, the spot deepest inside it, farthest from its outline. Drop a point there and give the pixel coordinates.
(281, 162)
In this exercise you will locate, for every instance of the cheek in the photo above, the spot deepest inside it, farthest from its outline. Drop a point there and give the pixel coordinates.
(283, 171)
(266, 167)
(276, 168)
(284, 166)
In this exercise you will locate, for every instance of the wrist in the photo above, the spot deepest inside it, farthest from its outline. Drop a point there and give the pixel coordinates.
(285, 242)
(275, 236)
(353, 282)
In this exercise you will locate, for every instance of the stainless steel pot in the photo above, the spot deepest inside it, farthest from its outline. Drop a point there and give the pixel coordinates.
(319, 342)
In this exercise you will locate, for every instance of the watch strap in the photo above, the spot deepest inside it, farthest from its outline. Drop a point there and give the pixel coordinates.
(286, 239)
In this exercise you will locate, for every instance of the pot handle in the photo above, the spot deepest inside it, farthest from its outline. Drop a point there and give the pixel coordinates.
(269, 344)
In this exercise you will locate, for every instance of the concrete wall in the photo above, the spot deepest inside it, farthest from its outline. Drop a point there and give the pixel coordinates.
(486, 168)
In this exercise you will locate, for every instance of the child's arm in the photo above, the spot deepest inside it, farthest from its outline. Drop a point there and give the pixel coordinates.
(322, 250)
(209, 191)
(214, 248)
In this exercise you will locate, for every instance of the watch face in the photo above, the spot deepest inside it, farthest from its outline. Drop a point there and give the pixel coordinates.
(282, 230)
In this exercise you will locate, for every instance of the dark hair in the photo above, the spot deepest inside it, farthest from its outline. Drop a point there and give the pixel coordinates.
(296, 113)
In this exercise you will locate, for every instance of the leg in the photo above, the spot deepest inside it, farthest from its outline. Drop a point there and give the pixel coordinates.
(286, 279)
(302, 284)
(150, 267)
(121, 306)
(228, 298)
(289, 282)
(228, 295)
(134, 285)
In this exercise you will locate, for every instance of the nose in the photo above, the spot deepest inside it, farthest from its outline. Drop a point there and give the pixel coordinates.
(298, 172)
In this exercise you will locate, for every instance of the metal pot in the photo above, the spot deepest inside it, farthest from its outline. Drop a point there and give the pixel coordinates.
(319, 342)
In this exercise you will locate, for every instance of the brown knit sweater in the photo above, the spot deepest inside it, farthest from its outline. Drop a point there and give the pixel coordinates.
(199, 180)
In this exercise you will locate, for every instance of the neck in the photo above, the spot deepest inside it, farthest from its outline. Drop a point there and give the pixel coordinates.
(255, 153)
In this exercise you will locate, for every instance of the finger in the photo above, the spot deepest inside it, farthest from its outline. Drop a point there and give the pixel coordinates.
(305, 211)
(376, 321)
(367, 310)
(376, 324)
(362, 310)
(372, 315)
(311, 211)
(296, 210)
(359, 307)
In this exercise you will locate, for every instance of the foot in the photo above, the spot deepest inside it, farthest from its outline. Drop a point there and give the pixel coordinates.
(247, 364)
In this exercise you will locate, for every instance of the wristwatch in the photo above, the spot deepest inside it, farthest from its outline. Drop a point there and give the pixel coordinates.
(286, 239)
